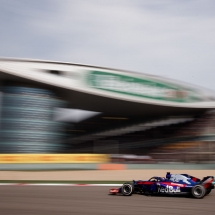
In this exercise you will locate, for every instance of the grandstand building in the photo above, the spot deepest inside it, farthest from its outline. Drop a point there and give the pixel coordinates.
(55, 107)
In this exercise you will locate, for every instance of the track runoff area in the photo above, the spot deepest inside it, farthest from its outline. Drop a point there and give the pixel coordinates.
(96, 200)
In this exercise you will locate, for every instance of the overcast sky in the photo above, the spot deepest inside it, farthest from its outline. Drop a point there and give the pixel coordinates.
(171, 38)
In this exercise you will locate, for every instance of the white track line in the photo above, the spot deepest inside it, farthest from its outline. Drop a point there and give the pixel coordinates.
(56, 184)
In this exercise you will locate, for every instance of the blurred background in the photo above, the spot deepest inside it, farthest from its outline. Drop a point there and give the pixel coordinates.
(129, 118)
(137, 117)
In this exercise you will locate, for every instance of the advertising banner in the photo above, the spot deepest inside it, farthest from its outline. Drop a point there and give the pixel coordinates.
(140, 87)
(54, 158)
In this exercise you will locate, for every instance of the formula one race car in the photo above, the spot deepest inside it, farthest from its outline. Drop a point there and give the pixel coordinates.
(171, 185)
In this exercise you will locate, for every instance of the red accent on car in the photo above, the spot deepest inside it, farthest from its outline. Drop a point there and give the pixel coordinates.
(194, 179)
(178, 185)
(145, 182)
(114, 191)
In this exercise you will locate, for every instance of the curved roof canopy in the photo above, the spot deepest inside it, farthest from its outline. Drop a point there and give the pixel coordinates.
(111, 91)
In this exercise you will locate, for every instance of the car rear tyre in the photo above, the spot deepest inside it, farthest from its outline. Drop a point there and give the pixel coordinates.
(198, 191)
(127, 189)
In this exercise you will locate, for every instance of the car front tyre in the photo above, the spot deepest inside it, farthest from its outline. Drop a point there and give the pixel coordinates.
(127, 189)
(198, 191)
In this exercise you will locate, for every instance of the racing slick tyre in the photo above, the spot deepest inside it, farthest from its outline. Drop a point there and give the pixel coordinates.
(198, 191)
(127, 189)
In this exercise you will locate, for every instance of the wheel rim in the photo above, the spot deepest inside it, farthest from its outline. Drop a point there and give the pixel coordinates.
(127, 188)
(198, 191)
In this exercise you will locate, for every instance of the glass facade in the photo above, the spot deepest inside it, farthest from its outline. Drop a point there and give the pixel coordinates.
(27, 124)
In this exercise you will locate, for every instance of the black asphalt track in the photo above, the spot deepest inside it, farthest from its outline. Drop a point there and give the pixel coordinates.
(60, 200)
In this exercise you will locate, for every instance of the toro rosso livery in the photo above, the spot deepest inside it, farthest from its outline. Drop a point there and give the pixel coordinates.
(172, 184)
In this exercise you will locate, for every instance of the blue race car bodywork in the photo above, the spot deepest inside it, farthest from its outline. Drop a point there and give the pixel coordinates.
(170, 185)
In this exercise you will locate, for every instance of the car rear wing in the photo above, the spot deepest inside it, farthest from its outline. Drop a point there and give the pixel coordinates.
(207, 182)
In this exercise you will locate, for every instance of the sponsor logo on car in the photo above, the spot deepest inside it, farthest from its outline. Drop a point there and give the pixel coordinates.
(169, 189)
